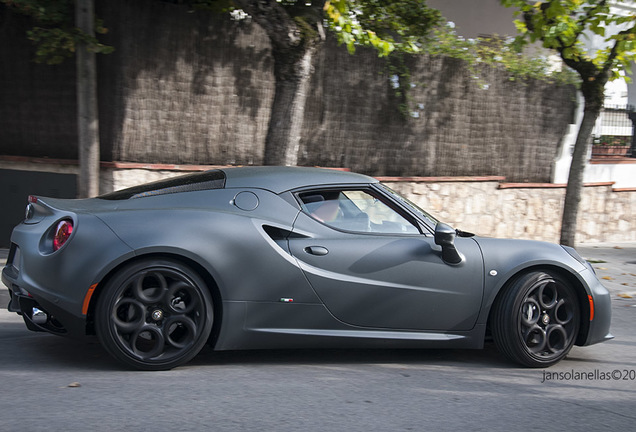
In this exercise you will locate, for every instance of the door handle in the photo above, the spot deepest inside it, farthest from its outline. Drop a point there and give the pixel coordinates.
(316, 250)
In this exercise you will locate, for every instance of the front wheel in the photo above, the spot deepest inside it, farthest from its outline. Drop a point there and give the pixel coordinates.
(154, 314)
(536, 320)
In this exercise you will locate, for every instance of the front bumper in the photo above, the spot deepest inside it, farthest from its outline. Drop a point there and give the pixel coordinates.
(599, 325)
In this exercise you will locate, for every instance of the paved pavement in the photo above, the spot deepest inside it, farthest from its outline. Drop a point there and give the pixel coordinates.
(615, 265)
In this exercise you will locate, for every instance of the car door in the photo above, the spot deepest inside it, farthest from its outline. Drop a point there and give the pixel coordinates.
(371, 266)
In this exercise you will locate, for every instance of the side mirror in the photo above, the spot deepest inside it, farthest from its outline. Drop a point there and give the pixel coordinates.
(445, 237)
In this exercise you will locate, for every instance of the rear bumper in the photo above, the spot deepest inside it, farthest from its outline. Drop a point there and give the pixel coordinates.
(39, 314)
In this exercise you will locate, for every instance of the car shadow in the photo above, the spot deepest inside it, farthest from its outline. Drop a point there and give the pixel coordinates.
(488, 357)
(20, 349)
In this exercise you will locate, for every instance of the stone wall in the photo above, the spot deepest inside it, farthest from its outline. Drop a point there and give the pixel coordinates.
(487, 206)
(490, 207)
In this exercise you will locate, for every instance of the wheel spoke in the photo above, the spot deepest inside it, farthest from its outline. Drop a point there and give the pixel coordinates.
(563, 312)
(150, 287)
(180, 331)
(548, 295)
(535, 338)
(556, 338)
(128, 315)
(147, 342)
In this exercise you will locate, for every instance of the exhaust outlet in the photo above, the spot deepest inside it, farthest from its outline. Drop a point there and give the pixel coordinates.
(38, 316)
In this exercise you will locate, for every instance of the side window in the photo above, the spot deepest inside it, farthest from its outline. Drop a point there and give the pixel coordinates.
(355, 210)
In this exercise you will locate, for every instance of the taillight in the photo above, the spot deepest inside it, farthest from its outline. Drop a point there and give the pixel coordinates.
(62, 233)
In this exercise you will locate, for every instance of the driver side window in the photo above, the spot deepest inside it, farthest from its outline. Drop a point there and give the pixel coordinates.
(355, 210)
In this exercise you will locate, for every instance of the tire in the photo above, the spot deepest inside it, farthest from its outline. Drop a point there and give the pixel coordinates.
(536, 320)
(154, 314)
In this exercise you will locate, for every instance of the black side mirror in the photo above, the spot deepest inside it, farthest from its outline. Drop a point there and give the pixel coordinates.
(445, 237)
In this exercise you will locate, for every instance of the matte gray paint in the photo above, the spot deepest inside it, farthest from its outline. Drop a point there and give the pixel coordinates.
(390, 281)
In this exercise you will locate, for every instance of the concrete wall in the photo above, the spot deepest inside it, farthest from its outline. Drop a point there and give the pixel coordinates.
(487, 206)
(621, 172)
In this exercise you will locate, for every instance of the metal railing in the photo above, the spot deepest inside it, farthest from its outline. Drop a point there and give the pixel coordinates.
(613, 134)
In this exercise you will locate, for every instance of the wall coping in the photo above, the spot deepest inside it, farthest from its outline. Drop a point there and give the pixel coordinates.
(612, 161)
(387, 179)
(548, 185)
(442, 179)
(623, 189)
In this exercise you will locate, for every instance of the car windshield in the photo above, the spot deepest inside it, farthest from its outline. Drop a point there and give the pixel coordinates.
(418, 211)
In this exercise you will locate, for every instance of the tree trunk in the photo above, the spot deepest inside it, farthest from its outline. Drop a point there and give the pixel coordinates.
(87, 119)
(575, 179)
(288, 109)
(293, 49)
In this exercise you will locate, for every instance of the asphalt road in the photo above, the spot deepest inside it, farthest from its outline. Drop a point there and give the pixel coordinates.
(54, 384)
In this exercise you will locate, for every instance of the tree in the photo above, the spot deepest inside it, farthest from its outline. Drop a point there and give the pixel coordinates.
(87, 117)
(561, 25)
(62, 29)
(296, 30)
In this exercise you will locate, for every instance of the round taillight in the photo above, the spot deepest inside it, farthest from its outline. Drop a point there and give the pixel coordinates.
(62, 233)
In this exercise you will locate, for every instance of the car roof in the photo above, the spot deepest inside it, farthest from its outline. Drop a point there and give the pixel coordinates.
(280, 179)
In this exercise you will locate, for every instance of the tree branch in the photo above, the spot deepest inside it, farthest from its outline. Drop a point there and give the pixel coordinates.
(274, 19)
(277, 21)
(614, 51)
(590, 13)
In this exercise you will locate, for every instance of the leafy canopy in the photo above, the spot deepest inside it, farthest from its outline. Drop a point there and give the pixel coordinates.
(402, 25)
(54, 33)
(563, 25)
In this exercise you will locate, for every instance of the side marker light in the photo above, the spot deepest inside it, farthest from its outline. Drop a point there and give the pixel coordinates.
(87, 299)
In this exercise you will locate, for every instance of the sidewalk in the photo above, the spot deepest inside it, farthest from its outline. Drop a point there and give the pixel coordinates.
(615, 265)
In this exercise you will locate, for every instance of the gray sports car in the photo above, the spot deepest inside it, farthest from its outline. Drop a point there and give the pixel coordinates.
(281, 257)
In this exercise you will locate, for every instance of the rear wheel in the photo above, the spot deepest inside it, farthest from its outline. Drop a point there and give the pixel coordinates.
(154, 314)
(536, 320)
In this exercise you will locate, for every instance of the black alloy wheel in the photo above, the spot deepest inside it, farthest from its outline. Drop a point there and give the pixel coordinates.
(154, 315)
(536, 320)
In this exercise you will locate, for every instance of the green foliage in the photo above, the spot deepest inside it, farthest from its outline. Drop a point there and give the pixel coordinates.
(563, 24)
(387, 26)
(612, 140)
(497, 52)
(396, 28)
(393, 28)
(54, 33)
